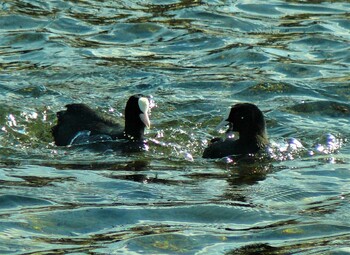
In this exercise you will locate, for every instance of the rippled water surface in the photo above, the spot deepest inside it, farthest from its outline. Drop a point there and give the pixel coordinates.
(196, 58)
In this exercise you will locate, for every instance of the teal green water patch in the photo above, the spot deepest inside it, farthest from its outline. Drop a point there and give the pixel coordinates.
(19, 22)
(324, 108)
(132, 33)
(12, 202)
(93, 220)
(260, 9)
(69, 26)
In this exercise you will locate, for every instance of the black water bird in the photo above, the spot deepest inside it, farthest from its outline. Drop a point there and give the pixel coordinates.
(249, 122)
(79, 124)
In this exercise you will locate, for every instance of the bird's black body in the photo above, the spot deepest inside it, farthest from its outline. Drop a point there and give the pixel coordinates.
(80, 117)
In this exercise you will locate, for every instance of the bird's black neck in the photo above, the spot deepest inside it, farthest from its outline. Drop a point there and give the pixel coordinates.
(258, 138)
(133, 133)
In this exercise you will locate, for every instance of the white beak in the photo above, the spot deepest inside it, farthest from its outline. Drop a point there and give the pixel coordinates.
(222, 124)
(144, 107)
(145, 119)
(228, 134)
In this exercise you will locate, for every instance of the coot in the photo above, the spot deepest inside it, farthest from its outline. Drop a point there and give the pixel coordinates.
(249, 122)
(80, 124)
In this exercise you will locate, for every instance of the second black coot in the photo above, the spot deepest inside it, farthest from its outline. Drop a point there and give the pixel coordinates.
(249, 122)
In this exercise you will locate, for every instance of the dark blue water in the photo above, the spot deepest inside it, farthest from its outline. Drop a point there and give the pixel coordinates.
(196, 58)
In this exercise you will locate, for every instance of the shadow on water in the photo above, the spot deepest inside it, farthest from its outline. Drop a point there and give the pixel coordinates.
(314, 245)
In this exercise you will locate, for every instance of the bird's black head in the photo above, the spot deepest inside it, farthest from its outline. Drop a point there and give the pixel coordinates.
(137, 113)
(246, 119)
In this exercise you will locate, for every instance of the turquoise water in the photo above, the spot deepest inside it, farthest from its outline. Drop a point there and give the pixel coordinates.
(196, 58)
